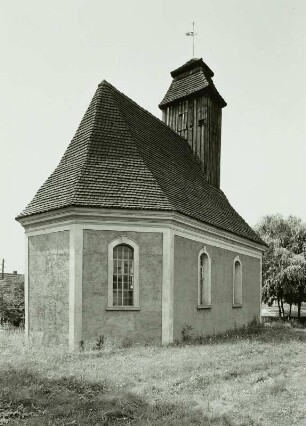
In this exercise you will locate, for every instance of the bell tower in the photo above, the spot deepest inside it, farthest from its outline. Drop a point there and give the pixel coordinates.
(192, 107)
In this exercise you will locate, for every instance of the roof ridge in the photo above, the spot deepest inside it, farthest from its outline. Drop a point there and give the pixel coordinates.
(104, 82)
(77, 186)
(143, 109)
(191, 154)
(135, 144)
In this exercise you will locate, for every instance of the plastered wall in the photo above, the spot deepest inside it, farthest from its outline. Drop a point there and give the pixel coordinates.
(48, 266)
(222, 315)
(143, 325)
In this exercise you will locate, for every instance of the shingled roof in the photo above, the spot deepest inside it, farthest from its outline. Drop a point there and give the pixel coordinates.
(123, 157)
(191, 78)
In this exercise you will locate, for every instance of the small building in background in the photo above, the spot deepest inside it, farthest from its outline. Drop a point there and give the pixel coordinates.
(11, 276)
(131, 235)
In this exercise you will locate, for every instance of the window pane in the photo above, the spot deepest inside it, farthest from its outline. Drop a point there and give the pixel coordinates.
(131, 284)
(119, 252)
(123, 275)
(131, 254)
(119, 282)
(237, 283)
(116, 252)
(204, 283)
(130, 298)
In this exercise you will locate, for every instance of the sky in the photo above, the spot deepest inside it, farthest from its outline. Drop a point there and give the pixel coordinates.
(54, 54)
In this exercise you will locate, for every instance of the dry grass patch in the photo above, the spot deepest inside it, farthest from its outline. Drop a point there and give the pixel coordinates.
(245, 378)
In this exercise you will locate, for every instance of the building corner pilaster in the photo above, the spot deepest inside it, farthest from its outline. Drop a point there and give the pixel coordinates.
(26, 292)
(75, 286)
(260, 289)
(168, 287)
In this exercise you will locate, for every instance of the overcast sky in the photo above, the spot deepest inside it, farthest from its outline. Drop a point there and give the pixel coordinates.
(54, 54)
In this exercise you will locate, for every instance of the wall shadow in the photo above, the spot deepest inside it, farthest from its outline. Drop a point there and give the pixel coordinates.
(33, 399)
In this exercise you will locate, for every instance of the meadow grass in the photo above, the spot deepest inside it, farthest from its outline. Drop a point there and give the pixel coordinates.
(252, 376)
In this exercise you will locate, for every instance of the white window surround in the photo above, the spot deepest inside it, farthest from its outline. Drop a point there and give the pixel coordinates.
(112, 244)
(207, 293)
(237, 283)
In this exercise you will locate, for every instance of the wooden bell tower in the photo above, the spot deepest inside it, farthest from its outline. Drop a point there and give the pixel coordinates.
(192, 107)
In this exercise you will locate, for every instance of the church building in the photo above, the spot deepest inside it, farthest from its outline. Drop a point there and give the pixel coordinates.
(131, 235)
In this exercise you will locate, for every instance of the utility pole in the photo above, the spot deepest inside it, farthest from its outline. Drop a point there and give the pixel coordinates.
(2, 273)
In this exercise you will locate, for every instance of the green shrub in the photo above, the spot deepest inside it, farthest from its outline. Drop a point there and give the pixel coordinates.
(12, 301)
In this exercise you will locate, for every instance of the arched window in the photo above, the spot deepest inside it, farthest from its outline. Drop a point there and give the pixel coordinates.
(123, 274)
(237, 282)
(204, 279)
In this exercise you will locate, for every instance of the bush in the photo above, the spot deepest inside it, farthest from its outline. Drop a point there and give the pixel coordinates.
(99, 343)
(12, 301)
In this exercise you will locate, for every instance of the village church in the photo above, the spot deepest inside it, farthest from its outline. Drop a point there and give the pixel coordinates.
(131, 235)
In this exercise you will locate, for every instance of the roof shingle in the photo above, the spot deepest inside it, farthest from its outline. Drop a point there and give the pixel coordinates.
(123, 157)
(190, 78)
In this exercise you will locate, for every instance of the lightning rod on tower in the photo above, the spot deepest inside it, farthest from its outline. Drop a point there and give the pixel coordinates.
(192, 34)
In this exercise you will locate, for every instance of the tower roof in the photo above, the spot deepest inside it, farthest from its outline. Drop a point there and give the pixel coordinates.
(123, 157)
(191, 78)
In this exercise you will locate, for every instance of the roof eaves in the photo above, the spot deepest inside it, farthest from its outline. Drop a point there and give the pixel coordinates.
(210, 88)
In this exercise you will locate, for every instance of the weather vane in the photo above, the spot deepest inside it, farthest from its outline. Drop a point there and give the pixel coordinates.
(192, 34)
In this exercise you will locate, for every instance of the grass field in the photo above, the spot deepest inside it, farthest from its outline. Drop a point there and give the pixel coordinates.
(251, 377)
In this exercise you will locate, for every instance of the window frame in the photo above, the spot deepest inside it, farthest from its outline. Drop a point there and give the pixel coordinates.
(127, 241)
(207, 303)
(237, 303)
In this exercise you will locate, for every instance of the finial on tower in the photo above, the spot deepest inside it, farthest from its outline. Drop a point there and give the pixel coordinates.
(192, 34)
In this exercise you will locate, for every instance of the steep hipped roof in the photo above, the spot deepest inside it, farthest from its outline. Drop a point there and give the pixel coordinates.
(191, 78)
(123, 157)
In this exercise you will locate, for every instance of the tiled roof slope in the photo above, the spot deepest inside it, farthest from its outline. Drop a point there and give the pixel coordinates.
(101, 166)
(124, 157)
(190, 78)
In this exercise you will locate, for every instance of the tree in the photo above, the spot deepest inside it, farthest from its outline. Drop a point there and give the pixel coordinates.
(293, 280)
(12, 300)
(283, 262)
